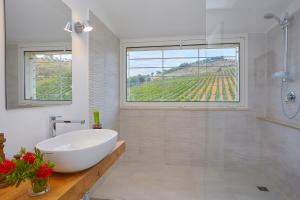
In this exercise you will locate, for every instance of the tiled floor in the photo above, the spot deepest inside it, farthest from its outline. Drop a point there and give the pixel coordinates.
(134, 181)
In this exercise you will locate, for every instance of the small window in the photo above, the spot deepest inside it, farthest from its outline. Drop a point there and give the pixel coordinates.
(48, 75)
(193, 75)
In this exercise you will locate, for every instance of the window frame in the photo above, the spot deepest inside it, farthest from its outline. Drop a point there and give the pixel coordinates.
(242, 40)
(22, 48)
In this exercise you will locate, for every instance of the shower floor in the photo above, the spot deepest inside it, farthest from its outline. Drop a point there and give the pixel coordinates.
(136, 181)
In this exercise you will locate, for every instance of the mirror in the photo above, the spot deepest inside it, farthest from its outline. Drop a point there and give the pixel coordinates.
(38, 54)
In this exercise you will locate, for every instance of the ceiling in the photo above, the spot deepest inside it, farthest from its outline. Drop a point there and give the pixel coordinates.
(159, 18)
(151, 18)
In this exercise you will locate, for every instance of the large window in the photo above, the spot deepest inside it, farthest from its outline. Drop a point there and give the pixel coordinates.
(193, 74)
(48, 75)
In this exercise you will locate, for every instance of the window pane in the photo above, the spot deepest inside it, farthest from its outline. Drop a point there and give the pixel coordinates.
(211, 76)
(145, 63)
(144, 54)
(144, 72)
(180, 62)
(185, 71)
(219, 52)
(48, 75)
(182, 53)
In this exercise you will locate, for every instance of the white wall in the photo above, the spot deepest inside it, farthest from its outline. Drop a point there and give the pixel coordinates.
(26, 127)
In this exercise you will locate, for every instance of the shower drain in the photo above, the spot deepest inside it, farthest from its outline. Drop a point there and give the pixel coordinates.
(262, 188)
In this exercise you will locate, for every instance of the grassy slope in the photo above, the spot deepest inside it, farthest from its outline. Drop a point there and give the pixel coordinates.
(181, 89)
(54, 83)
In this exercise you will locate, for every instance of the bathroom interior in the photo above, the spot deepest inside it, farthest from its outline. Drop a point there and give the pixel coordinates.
(204, 94)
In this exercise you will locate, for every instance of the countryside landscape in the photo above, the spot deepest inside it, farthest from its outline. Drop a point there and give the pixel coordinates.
(53, 78)
(210, 80)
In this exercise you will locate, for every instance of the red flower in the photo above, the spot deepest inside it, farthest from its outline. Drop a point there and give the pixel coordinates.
(7, 166)
(29, 157)
(44, 171)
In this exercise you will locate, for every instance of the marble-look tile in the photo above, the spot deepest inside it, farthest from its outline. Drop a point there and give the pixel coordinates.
(128, 181)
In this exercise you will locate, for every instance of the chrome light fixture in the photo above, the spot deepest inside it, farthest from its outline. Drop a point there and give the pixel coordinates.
(68, 27)
(87, 27)
(82, 27)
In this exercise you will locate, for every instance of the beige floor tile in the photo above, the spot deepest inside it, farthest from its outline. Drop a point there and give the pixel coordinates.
(137, 181)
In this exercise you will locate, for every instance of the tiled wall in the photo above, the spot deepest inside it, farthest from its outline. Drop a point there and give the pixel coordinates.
(280, 152)
(281, 145)
(189, 137)
(104, 48)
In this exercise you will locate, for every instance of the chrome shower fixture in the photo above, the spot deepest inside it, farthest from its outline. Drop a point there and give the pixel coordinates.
(289, 97)
(272, 16)
(281, 74)
(284, 22)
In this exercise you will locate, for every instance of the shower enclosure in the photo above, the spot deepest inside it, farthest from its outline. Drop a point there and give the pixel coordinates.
(219, 151)
(290, 97)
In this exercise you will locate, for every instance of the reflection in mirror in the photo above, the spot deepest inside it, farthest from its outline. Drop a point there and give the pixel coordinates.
(38, 53)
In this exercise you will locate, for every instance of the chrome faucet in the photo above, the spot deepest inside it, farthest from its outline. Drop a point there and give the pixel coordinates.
(54, 121)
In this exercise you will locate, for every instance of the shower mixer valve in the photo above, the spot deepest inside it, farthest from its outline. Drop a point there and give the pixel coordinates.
(290, 97)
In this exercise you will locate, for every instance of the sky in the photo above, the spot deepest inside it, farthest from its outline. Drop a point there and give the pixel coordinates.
(147, 62)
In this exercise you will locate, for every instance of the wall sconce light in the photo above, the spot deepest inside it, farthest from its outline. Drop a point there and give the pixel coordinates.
(85, 27)
(78, 27)
(68, 27)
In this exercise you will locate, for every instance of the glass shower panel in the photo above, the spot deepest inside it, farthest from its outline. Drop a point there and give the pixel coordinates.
(237, 142)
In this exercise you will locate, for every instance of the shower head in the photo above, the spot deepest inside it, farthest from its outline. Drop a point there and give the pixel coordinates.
(269, 16)
(272, 16)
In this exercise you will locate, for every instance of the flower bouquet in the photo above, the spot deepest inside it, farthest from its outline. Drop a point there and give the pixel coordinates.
(6, 167)
(28, 166)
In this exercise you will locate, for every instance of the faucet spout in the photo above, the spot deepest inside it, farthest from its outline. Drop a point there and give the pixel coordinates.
(70, 121)
(54, 121)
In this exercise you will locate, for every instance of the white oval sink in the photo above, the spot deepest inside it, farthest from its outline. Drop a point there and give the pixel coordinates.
(78, 150)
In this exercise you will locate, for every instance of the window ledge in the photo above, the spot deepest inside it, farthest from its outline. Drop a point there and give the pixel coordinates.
(43, 103)
(186, 108)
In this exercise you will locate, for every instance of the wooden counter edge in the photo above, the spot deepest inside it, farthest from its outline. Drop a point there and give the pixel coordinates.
(68, 186)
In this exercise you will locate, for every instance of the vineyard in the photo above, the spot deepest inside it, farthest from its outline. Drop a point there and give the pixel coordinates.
(54, 83)
(218, 85)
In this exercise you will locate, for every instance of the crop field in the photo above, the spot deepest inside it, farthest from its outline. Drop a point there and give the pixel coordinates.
(213, 86)
(54, 83)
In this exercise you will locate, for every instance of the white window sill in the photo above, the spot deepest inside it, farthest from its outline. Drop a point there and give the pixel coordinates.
(184, 108)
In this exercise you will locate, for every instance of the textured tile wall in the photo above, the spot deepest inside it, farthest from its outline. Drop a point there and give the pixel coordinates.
(104, 51)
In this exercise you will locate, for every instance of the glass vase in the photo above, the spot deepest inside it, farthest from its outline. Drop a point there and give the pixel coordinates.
(3, 182)
(39, 186)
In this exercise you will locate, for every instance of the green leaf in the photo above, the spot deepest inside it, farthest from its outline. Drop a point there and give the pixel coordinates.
(23, 150)
(51, 164)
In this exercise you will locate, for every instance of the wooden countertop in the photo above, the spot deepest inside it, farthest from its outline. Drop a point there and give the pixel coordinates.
(67, 186)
